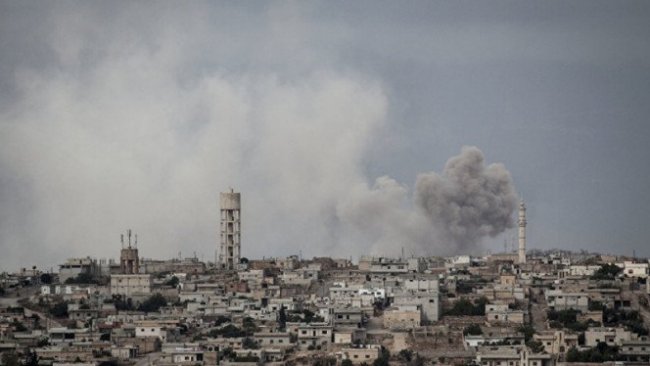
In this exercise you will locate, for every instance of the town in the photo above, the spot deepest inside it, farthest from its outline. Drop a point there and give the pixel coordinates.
(515, 308)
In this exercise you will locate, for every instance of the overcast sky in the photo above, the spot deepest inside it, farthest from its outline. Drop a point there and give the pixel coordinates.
(117, 115)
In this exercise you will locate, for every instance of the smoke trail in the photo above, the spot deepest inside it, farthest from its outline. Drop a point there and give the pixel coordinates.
(468, 201)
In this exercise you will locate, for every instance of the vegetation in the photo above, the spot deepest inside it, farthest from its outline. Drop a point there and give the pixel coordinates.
(535, 346)
(153, 303)
(631, 320)
(282, 318)
(83, 278)
(601, 353)
(46, 278)
(221, 320)
(250, 343)
(473, 329)
(607, 272)
(10, 359)
(464, 307)
(567, 319)
(384, 356)
(229, 331)
(173, 282)
(528, 331)
(59, 310)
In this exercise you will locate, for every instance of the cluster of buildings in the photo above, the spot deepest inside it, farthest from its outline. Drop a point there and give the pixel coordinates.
(507, 309)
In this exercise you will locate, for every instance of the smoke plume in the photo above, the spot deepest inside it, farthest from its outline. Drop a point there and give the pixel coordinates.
(469, 200)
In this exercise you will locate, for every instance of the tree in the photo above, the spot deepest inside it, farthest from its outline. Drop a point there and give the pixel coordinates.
(46, 278)
(383, 358)
(535, 346)
(346, 362)
(473, 329)
(527, 331)
(153, 303)
(250, 343)
(282, 318)
(59, 310)
(10, 359)
(607, 272)
(173, 282)
(405, 355)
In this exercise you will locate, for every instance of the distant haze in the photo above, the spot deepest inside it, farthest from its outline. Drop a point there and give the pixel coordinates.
(350, 128)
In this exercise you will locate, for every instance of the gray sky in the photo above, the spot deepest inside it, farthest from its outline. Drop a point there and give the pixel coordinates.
(121, 115)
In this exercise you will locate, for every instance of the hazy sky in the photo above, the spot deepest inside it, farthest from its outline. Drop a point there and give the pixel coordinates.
(117, 115)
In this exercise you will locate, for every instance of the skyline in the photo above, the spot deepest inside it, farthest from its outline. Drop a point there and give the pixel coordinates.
(121, 115)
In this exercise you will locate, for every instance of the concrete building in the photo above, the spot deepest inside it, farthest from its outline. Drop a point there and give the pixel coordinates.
(131, 284)
(632, 269)
(501, 313)
(611, 336)
(522, 232)
(73, 267)
(560, 300)
(556, 341)
(230, 252)
(360, 355)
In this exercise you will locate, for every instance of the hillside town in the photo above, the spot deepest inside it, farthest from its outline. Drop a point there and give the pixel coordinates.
(515, 308)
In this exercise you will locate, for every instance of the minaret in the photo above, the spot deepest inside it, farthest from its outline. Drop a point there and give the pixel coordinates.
(230, 252)
(522, 232)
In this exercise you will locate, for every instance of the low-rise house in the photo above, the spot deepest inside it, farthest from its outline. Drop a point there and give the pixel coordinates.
(312, 335)
(501, 313)
(348, 317)
(358, 355)
(611, 336)
(560, 300)
(635, 350)
(556, 342)
(349, 335)
(273, 339)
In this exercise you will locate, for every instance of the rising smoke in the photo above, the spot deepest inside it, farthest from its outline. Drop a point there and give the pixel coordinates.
(449, 213)
(468, 201)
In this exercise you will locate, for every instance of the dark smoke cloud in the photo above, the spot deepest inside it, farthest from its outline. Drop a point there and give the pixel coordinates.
(468, 201)
(449, 213)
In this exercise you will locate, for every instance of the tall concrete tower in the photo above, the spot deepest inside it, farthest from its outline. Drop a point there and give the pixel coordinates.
(522, 232)
(129, 260)
(230, 252)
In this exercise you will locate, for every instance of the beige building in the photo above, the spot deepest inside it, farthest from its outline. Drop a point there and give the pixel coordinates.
(403, 317)
(131, 284)
(367, 354)
(556, 342)
(611, 336)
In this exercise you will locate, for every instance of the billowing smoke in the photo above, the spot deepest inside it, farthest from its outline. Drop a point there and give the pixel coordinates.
(469, 200)
(449, 213)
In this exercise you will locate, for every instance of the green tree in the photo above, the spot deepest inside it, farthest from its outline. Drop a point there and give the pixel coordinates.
(153, 303)
(607, 272)
(405, 355)
(473, 329)
(10, 359)
(282, 318)
(173, 282)
(535, 346)
(59, 310)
